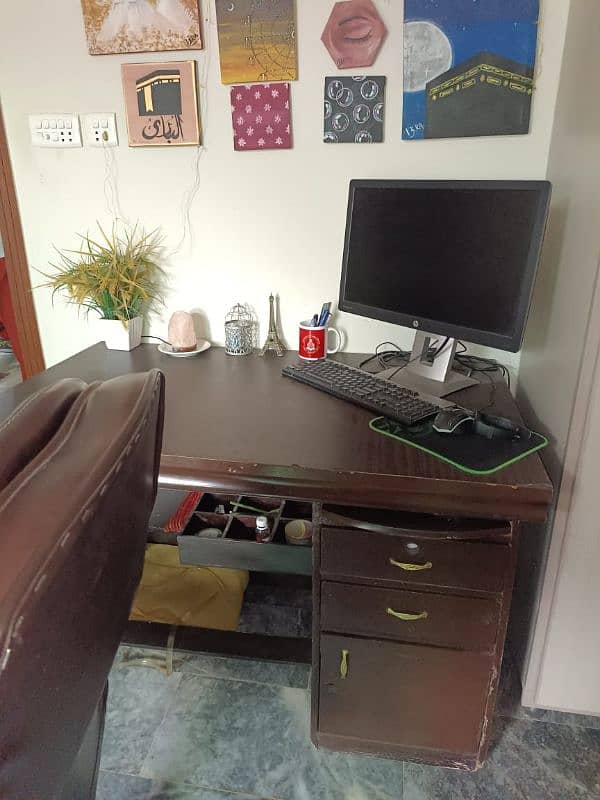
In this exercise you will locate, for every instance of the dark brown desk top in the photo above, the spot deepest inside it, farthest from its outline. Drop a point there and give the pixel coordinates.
(237, 424)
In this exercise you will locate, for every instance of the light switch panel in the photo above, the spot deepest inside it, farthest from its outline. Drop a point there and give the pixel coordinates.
(55, 130)
(100, 129)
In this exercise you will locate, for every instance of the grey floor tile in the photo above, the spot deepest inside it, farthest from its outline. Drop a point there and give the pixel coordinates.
(254, 738)
(279, 673)
(305, 623)
(269, 620)
(279, 595)
(529, 760)
(509, 703)
(276, 673)
(138, 698)
(115, 786)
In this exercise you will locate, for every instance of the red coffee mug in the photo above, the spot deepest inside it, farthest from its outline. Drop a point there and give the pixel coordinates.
(312, 345)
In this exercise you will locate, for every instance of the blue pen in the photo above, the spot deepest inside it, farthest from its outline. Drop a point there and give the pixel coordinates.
(314, 321)
(326, 320)
(325, 310)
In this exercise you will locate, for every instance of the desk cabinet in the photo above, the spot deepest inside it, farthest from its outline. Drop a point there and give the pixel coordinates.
(408, 633)
(402, 696)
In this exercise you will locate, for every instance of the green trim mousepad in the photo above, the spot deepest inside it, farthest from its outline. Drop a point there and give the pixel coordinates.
(467, 452)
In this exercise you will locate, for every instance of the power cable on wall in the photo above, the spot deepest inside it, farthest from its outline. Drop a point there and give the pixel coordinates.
(189, 196)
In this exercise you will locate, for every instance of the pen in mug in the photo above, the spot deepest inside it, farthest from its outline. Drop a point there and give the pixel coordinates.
(324, 309)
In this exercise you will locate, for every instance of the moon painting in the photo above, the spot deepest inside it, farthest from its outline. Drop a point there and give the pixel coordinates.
(468, 68)
(427, 53)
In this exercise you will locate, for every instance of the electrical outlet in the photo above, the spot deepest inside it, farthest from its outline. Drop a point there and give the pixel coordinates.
(100, 129)
(55, 130)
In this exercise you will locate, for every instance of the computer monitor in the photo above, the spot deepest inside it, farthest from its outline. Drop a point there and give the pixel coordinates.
(449, 259)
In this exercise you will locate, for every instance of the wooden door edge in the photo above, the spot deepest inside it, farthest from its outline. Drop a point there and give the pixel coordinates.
(17, 266)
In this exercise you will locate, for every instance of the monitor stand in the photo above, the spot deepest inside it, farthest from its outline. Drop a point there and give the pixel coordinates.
(430, 376)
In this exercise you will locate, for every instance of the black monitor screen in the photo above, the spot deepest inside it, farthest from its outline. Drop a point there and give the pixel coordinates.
(457, 257)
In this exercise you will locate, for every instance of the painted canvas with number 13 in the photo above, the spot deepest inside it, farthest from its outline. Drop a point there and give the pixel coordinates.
(468, 67)
(257, 40)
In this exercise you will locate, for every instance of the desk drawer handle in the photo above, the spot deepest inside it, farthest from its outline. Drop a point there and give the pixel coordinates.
(406, 617)
(408, 567)
(344, 664)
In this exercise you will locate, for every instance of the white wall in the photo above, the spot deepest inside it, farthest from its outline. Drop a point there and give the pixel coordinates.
(563, 658)
(261, 221)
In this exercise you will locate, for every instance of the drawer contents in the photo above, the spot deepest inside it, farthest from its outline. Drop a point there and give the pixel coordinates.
(246, 533)
(413, 560)
(420, 698)
(463, 623)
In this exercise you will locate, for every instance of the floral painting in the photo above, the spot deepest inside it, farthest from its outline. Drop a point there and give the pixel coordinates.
(136, 26)
(161, 103)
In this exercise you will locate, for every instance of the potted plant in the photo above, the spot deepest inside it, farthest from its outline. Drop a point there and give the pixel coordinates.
(115, 275)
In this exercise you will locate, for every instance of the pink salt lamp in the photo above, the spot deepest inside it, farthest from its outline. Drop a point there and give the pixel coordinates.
(182, 336)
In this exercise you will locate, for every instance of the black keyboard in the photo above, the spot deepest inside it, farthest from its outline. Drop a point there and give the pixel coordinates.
(363, 389)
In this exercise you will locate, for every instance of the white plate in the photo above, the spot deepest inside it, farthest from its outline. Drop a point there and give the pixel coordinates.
(167, 350)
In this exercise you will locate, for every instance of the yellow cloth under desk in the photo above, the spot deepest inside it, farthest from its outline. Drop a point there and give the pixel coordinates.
(176, 594)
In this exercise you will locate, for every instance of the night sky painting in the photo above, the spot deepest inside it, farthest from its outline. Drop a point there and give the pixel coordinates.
(468, 67)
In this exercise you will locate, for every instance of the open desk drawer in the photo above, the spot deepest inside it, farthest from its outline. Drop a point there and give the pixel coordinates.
(237, 547)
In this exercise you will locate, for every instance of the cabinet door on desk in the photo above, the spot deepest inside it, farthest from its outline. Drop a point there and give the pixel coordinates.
(421, 698)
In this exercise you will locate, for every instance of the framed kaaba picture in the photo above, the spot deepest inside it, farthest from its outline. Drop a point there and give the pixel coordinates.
(141, 26)
(161, 103)
(468, 67)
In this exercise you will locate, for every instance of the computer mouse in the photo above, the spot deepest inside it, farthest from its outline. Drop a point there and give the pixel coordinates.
(453, 420)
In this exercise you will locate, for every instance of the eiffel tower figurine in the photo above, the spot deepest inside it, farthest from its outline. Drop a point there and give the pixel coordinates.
(273, 342)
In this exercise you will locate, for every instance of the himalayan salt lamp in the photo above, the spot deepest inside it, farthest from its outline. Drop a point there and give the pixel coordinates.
(182, 336)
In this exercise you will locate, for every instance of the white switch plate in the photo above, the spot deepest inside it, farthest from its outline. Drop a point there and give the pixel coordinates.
(55, 130)
(100, 129)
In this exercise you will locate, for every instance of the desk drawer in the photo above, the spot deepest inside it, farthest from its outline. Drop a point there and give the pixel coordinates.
(245, 554)
(237, 547)
(464, 623)
(423, 698)
(412, 560)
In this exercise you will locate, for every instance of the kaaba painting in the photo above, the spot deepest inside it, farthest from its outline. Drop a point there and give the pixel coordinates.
(468, 67)
(161, 103)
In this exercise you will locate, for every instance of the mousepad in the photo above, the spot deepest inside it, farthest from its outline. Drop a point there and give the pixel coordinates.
(468, 451)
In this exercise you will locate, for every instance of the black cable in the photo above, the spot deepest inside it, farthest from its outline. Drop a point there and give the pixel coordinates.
(419, 355)
(164, 341)
(386, 358)
(485, 366)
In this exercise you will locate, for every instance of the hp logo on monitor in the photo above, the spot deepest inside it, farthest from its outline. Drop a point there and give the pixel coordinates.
(415, 323)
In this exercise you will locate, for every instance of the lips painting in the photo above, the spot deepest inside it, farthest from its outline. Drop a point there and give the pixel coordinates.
(354, 33)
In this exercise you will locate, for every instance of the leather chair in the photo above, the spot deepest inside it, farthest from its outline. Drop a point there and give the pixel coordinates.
(78, 479)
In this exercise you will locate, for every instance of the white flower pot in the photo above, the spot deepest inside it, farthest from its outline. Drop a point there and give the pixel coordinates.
(121, 335)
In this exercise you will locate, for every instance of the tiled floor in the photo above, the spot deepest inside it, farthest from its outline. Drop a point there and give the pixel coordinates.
(228, 729)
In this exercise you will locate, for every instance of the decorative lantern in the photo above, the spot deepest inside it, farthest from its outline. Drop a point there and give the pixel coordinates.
(239, 331)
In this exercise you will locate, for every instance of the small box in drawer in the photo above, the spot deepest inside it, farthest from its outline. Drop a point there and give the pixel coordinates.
(463, 623)
(412, 560)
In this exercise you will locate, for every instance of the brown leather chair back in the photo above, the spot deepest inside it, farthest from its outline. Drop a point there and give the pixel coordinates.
(32, 424)
(73, 527)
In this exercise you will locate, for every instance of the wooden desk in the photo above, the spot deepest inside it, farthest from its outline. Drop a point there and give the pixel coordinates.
(413, 561)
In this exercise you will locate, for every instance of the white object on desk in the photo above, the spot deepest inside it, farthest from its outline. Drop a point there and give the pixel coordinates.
(167, 350)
